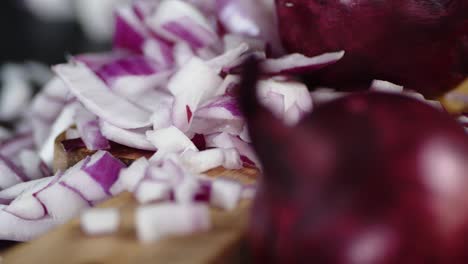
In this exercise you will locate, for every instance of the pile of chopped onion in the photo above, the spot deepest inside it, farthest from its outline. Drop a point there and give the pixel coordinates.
(169, 86)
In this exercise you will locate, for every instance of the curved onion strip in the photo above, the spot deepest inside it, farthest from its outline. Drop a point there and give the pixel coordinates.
(135, 138)
(97, 98)
(297, 63)
(89, 130)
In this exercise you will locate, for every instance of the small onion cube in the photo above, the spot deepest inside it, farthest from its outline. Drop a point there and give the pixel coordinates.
(149, 191)
(225, 194)
(185, 191)
(130, 177)
(156, 222)
(99, 221)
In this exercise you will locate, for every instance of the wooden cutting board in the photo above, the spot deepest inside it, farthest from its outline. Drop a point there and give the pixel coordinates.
(68, 244)
(223, 243)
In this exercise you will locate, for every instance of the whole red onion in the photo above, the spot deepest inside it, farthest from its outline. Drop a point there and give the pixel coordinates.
(368, 178)
(414, 43)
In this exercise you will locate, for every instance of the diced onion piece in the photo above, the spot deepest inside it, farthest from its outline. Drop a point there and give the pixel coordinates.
(232, 160)
(297, 63)
(250, 18)
(100, 221)
(129, 32)
(150, 191)
(384, 86)
(53, 198)
(64, 121)
(324, 95)
(159, 51)
(180, 21)
(10, 174)
(228, 57)
(72, 133)
(186, 190)
(182, 53)
(193, 84)
(201, 161)
(228, 84)
(26, 205)
(104, 169)
(85, 186)
(9, 194)
(46, 107)
(17, 229)
(31, 164)
(156, 222)
(97, 98)
(227, 141)
(130, 177)
(135, 138)
(90, 133)
(295, 94)
(225, 194)
(169, 140)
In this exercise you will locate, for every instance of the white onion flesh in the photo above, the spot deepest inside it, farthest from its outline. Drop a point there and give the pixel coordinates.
(100, 221)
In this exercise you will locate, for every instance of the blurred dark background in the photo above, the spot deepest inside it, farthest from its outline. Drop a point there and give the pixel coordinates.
(26, 37)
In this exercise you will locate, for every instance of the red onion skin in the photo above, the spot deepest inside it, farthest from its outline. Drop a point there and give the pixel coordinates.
(353, 167)
(408, 42)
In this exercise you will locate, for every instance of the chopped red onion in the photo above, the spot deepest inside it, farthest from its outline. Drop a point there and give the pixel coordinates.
(221, 114)
(182, 53)
(16, 92)
(169, 140)
(46, 107)
(225, 194)
(72, 133)
(130, 177)
(76, 181)
(151, 191)
(384, 86)
(180, 21)
(9, 194)
(97, 98)
(63, 121)
(88, 127)
(10, 173)
(104, 168)
(250, 18)
(156, 222)
(295, 95)
(227, 141)
(135, 138)
(159, 51)
(193, 84)
(323, 95)
(52, 198)
(32, 164)
(129, 33)
(228, 57)
(26, 205)
(200, 161)
(18, 229)
(185, 191)
(14, 145)
(100, 221)
(297, 63)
